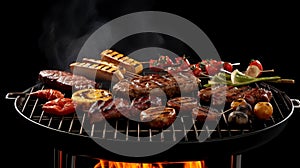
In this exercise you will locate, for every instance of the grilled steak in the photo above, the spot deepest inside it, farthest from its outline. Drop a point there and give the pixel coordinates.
(227, 94)
(65, 81)
(108, 110)
(118, 108)
(203, 113)
(158, 85)
(185, 104)
(159, 117)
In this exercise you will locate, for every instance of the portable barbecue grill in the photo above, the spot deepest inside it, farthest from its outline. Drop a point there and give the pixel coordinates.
(75, 135)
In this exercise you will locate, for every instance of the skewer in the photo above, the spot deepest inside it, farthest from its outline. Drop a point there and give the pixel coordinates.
(237, 63)
(131, 74)
(226, 111)
(269, 70)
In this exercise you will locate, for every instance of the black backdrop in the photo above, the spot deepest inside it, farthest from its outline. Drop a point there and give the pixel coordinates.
(36, 29)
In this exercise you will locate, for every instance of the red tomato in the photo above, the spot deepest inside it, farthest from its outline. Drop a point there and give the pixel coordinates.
(256, 63)
(196, 70)
(228, 66)
(59, 106)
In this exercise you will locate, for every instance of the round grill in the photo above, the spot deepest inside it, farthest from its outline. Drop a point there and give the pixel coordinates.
(75, 134)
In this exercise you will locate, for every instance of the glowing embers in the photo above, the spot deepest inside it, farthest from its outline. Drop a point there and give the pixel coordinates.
(114, 164)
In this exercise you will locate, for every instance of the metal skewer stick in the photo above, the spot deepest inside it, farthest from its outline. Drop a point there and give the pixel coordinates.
(226, 111)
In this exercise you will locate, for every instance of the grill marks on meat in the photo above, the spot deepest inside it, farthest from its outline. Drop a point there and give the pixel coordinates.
(203, 113)
(159, 85)
(119, 108)
(227, 94)
(158, 117)
(66, 81)
(184, 104)
(107, 110)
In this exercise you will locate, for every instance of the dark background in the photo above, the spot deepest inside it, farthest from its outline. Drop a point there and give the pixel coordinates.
(38, 33)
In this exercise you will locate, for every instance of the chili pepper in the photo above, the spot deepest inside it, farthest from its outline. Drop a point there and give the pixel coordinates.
(59, 106)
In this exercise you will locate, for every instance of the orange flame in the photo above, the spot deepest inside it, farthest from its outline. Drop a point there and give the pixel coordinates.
(112, 164)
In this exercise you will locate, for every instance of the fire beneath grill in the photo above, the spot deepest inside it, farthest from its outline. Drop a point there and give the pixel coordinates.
(186, 164)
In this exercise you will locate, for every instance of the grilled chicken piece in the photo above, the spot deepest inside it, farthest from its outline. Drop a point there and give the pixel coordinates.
(119, 59)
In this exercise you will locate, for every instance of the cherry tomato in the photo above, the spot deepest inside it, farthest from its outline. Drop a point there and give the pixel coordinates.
(197, 71)
(256, 63)
(59, 106)
(227, 66)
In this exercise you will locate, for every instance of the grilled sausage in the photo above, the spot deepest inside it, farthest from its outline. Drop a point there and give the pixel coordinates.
(119, 59)
(66, 81)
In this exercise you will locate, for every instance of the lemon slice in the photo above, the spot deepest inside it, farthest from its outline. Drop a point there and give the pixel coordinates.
(86, 97)
(233, 76)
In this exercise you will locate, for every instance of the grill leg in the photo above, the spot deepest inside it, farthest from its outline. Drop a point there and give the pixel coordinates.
(228, 161)
(63, 159)
(236, 161)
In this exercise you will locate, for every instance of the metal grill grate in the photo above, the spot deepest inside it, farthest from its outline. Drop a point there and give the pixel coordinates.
(78, 123)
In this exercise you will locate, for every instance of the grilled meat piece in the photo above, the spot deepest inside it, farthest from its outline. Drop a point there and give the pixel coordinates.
(102, 71)
(121, 60)
(203, 113)
(158, 85)
(142, 103)
(185, 104)
(66, 81)
(227, 94)
(119, 108)
(159, 117)
(108, 110)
